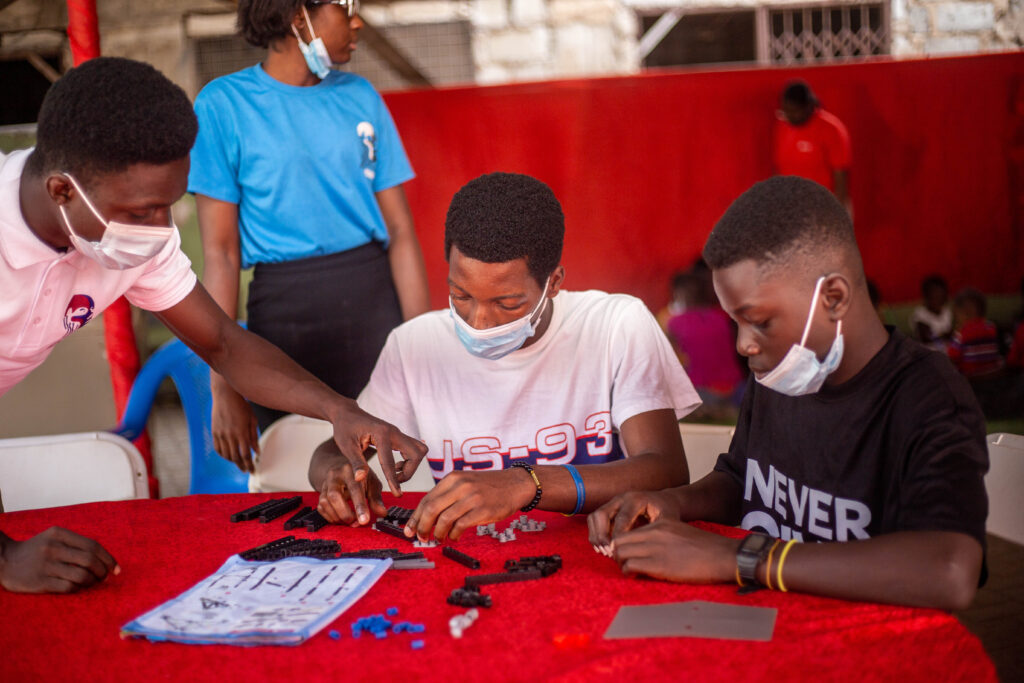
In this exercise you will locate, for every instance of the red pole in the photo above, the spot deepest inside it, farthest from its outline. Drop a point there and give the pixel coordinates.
(122, 351)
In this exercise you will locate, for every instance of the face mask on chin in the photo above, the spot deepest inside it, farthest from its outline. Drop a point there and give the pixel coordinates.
(314, 52)
(800, 372)
(497, 342)
(123, 245)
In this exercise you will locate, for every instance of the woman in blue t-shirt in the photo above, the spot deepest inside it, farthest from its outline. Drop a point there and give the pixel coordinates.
(298, 172)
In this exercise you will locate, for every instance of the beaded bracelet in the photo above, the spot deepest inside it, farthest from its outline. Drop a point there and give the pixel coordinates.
(536, 498)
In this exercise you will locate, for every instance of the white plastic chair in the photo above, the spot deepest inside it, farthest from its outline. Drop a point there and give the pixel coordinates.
(67, 469)
(1004, 483)
(287, 447)
(703, 444)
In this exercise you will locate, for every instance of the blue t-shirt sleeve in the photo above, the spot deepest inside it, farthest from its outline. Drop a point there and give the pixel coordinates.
(392, 165)
(214, 170)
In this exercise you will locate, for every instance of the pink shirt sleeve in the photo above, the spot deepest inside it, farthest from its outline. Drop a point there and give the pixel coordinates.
(165, 280)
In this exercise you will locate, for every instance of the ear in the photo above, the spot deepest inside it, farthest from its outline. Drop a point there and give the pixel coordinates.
(838, 294)
(59, 188)
(557, 278)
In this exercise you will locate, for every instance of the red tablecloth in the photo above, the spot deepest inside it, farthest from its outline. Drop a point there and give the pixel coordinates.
(166, 546)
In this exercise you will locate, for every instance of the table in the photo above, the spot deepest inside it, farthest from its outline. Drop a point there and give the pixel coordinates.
(166, 546)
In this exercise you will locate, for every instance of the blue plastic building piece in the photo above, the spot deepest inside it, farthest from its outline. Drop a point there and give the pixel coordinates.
(334, 634)
(391, 611)
(416, 644)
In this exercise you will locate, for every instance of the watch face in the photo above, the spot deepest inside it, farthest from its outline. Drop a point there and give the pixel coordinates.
(754, 543)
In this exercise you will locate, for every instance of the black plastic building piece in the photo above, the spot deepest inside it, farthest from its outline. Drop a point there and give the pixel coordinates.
(284, 506)
(395, 530)
(460, 557)
(398, 515)
(254, 511)
(476, 580)
(546, 564)
(247, 554)
(314, 521)
(465, 597)
(298, 519)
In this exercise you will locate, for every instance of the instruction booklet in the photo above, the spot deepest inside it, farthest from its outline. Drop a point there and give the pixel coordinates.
(261, 603)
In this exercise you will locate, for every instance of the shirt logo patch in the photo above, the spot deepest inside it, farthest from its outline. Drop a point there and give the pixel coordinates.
(78, 312)
(366, 133)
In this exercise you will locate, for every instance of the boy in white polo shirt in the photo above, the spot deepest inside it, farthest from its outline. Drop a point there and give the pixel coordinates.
(527, 395)
(85, 217)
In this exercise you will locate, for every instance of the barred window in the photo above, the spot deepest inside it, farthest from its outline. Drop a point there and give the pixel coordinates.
(769, 34)
(827, 32)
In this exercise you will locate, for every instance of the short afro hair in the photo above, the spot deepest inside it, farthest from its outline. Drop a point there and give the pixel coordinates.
(262, 22)
(799, 93)
(108, 114)
(501, 217)
(778, 220)
(933, 281)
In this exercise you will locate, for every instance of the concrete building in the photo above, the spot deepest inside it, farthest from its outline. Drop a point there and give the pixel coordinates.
(498, 41)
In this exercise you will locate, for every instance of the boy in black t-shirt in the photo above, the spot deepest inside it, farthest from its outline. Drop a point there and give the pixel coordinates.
(848, 432)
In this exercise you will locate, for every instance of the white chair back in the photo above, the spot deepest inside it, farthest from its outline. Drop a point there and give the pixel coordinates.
(287, 447)
(67, 469)
(1005, 484)
(703, 444)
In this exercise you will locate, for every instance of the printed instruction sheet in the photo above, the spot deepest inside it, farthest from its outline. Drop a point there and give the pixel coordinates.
(255, 603)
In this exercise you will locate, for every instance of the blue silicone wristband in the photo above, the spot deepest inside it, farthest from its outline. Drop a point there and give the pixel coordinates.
(581, 494)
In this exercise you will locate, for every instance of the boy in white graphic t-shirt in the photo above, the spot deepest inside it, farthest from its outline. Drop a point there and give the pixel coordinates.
(526, 395)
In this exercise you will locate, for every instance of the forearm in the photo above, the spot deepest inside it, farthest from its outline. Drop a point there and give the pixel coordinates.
(841, 181)
(324, 458)
(409, 274)
(408, 271)
(220, 277)
(6, 542)
(218, 229)
(601, 483)
(916, 568)
(715, 498)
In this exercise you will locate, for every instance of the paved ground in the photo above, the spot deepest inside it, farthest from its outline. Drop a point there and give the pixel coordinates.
(997, 615)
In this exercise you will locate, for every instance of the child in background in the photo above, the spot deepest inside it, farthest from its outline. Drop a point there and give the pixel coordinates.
(703, 335)
(1015, 358)
(931, 323)
(974, 348)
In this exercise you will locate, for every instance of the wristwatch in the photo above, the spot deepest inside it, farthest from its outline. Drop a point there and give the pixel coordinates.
(753, 549)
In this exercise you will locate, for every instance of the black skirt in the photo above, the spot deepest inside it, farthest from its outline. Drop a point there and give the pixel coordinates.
(331, 314)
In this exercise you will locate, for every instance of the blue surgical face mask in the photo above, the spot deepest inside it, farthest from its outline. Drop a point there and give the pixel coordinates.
(800, 372)
(314, 52)
(497, 342)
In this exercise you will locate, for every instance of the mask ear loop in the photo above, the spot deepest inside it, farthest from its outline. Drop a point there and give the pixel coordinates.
(810, 314)
(540, 306)
(85, 199)
(309, 26)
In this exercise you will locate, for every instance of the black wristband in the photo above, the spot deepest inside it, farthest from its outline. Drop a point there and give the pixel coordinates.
(536, 497)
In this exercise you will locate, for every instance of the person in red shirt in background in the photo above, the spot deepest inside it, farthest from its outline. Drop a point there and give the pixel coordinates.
(975, 352)
(975, 346)
(812, 143)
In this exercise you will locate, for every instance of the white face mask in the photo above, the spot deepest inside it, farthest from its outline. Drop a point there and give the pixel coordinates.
(123, 245)
(800, 372)
(314, 52)
(497, 342)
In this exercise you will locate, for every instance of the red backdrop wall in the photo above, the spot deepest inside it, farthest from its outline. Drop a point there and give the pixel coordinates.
(645, 165)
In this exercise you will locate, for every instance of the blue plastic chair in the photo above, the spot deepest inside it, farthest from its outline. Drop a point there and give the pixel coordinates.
(210, 473)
